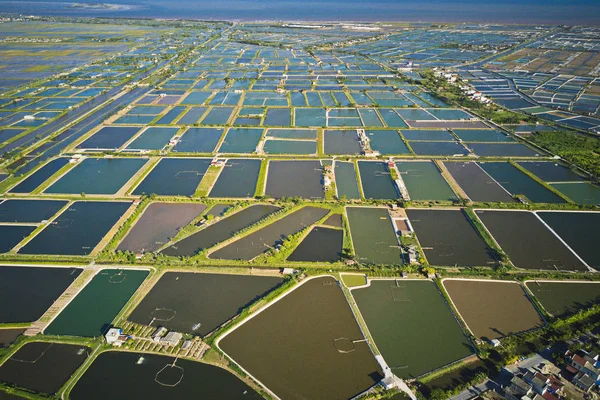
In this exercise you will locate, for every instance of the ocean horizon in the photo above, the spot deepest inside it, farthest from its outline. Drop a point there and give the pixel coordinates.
(551, 12)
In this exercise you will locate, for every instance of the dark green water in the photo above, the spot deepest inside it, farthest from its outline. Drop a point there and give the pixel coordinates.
(411, 312)
(579, 230)
(120, 375)
(317, 370)
(265, 238)
(516, 182)
(219, 231)
(97, 176)
(424, 181)
(78, 229)
(197, 302)
(295, 179)
(29, 210)
(376, 181)
(27, 292)
(158, 224)
(448, 238)
(237, 179)
(476, 183)
(512, 229)
(320, 245)
(562, 298)
(92, 311)
(174, 177)
(43, 367)
(345, 180)
(11, 235)
(373, 235)
(40, 176)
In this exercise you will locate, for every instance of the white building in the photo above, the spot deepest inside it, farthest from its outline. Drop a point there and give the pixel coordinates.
(115, 337)
(172, 338)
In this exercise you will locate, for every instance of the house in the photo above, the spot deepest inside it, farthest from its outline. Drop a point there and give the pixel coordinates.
(583, 381)
(389, 383)
(172, 338)
(370, 153)
(217, 163)
(412, 254)
(519, 388)
(546, 386)
(586, 368)
(115, 337)
(159, 333)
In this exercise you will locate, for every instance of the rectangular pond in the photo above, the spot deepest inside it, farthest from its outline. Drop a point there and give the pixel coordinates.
(219, 231)
(199, 140)
(516, 182)
(78, 229)
(579, 230)
(562, 298)
(493, 309)
(424, 181)
(159, 223)
(292, 133)
(12, 235)
(40, 176)
(345, 180)
(295, 179)
(267, 237)
(96, 306)
(401, 311)
(116, 374)
(334, 358)
(481, 135)
(241, 140)
(29, 211)
(373, 236)
(237, 179)
(43, 367)
(503, 150)
(387, 142)
(110, 137)
(551, 172)
(376, 181)
(579, 192)
(290, 147)
(342, 142)
(153, 138)
(477, 184)
(194, 303)
(320, 245)
(97, 176)
(174, 177)
(544, 251)
(449, 239)
(438, 148)
(30, 291)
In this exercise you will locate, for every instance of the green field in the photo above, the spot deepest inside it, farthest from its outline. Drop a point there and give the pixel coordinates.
(351, 280)
(563, 298)
(412, 326)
